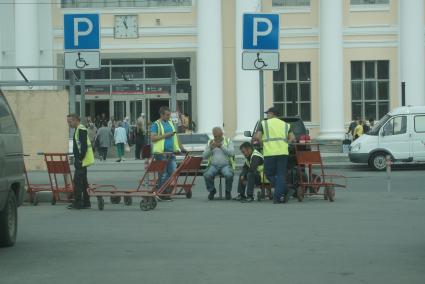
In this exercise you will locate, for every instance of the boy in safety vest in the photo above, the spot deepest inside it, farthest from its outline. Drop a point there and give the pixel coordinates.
(165, 143)
(252, 172)
(275, 134)
(221, 160)
(84, 157)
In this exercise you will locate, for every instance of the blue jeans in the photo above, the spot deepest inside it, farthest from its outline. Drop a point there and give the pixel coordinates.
(171, 167)
(212, 171)
(275, 168)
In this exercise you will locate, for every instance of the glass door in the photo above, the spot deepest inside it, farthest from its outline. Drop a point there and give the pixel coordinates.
(119, 110)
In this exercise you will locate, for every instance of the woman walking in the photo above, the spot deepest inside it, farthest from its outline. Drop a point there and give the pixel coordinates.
(120, 136)
(139, 138)
(104, 140)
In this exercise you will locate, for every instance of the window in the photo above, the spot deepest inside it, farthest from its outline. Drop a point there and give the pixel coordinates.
(124, 3)
(291, 3)
(370, 89)
(7, 123)
(420, 124)
(292, 90)
(370, 2)
(396, 126)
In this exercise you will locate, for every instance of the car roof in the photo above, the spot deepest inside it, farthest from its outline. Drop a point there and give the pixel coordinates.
(408, 110)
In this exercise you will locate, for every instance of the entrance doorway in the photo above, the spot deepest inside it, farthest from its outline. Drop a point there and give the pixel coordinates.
(154, 106)
(101, 107)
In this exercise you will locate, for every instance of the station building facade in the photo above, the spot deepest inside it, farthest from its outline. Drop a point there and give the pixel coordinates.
(340, 59)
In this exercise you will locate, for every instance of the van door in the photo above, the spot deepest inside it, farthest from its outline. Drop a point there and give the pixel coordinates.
(418, 138)
(394, 137)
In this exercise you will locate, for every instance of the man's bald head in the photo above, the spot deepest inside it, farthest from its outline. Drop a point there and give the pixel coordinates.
(217, 133)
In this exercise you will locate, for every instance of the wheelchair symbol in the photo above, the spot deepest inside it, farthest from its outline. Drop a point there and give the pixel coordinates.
(80, 62)
(259, 62)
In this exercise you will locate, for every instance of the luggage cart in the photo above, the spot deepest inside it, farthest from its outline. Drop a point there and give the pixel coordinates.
(34, 189)
(312, 178)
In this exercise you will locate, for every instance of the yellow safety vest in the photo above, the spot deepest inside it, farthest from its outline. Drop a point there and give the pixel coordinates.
(260, 168)
(88, 159)
(159, 146)
(230, 159)
(275, 137)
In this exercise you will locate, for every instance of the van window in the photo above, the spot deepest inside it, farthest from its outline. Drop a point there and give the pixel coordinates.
(7, 123)
(420, 124)
(396, 126)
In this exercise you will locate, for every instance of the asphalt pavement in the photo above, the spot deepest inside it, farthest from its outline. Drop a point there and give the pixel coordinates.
(370, 234)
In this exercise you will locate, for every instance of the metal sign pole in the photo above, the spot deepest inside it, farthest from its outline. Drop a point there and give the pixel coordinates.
(83, 96)
(72, 98)
(173, 90)
(261, 72)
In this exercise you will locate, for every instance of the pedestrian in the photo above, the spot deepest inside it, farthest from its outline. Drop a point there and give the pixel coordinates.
(165, 143)
(83, 158)
(275, 135)
(126, 125)
(358, 131)
(352, 126)
(371, 122)
(220, 154)
(139, 138)
(366, 127)
(120, 137)
(92, 130)
(252, 172)
(104, 140)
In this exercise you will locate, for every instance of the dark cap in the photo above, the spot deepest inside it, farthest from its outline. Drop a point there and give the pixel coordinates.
(273, 110)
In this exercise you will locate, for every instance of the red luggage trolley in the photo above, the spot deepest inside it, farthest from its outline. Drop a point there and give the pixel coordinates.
(310, 183)
(34, 189)
(58, 168)
(187, 177)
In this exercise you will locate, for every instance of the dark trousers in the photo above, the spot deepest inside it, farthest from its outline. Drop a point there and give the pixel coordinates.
(250, 181)
(138, 150)
(275, 168)
(103, 152)
(81, 196)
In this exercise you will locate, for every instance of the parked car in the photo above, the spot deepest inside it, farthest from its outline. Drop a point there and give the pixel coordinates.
(194, 144)
(12, 182)
(400, 134)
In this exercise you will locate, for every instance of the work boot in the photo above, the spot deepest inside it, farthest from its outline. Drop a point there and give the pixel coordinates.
(286, 198)
(239, 197)
(249, 199)
(228, 195)
(72, 206)
(211, 194)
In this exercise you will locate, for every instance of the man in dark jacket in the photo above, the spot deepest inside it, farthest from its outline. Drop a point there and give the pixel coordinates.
(252, 172)
(83, 157)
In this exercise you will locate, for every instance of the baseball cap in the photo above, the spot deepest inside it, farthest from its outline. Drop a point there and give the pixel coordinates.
(273, 110)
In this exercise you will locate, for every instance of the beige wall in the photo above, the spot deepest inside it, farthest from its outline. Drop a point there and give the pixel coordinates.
(41, 116)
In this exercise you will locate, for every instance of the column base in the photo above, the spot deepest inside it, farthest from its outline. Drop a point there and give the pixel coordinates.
(329, 135)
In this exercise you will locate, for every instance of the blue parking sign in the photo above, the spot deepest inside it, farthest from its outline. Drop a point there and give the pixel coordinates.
(261, 31)
(81, 31)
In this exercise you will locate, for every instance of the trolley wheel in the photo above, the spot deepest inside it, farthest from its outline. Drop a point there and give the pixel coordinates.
(128, 200)
(300, 193)
(53, 201)
(115, 199)
(331, 194)
(153, 203)
(100, 203)
(34, 199)
(189, 194)
(145, 205)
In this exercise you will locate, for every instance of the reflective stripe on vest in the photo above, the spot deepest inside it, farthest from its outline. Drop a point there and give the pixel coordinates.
(275, 137)
(260, 168)
(159, 146)
(88, 159)
(230, 159)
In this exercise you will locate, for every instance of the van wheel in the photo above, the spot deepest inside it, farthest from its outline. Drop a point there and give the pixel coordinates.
(378, 161)
(9, 222)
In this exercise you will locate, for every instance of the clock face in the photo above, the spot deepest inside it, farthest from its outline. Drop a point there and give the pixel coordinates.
(126, 26)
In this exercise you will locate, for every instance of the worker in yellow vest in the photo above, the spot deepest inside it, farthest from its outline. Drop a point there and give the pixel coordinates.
(275, 134)
(165, 142)
(252, 172)
(83, 158)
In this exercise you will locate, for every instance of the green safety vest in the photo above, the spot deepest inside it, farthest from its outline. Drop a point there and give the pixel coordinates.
(231, 159)
(159, 146)
(260, 168)
(275, 137)
(88, 159)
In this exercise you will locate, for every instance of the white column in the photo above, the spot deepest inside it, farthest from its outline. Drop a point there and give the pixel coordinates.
(210, 65)
(27, 46)
(247, 82)
(331, 71)
(412, 50)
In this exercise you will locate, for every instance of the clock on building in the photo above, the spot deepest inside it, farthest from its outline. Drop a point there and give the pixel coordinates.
(126, 26)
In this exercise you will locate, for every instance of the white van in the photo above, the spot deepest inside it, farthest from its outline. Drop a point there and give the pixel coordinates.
(400, 134)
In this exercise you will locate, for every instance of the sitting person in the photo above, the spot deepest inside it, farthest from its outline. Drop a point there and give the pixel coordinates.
(252, 172)
(220, 154)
